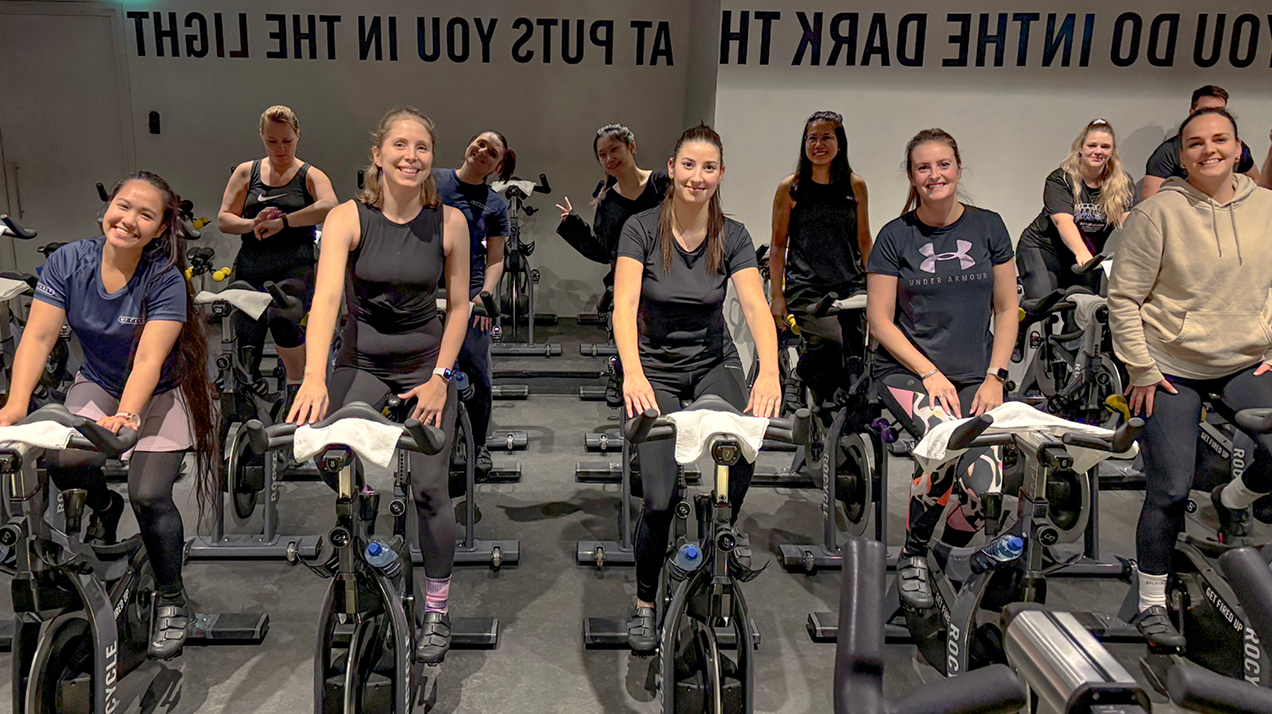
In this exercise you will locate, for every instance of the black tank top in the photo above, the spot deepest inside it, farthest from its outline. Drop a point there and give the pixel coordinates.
(290, 247)
(822, 255)
(394, 329)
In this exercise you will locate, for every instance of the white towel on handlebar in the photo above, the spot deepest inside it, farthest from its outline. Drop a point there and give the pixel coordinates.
(1085, 307)
(932, 451)
(42, 434)
(10, 289)
(371, 441)
(251, 302)
(695, 430)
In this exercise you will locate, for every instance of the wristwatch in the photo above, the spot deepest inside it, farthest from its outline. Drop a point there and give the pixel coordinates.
(444, 373)
(133, 419)
(998, 372)
(283, 218)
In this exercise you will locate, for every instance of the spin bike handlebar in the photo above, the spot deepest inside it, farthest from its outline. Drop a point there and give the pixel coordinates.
(488, 306)
(1204, 691)
(859, 658)
(649, 426)
(832, 304)
(970, 434)
(16, 230)
(284, 305)
(420, 437)
(1091, 265)
(91, 437)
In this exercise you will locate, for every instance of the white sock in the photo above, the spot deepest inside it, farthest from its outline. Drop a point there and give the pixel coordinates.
(1236, 496)
(1152, 590)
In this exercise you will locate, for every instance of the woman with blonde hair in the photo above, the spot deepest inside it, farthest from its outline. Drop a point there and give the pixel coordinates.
(274, 203)
(1082, 202)
(387, 253)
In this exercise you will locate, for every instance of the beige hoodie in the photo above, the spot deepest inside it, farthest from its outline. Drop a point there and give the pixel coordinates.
(1189, 293)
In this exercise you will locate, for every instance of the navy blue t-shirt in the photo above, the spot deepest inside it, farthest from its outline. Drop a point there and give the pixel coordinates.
(107, 323)
(945, 288)
(487, 214)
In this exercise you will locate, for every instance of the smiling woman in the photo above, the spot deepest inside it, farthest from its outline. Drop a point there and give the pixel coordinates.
(1082, 202)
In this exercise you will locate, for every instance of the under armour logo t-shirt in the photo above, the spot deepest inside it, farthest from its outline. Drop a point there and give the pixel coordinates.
(945, 287)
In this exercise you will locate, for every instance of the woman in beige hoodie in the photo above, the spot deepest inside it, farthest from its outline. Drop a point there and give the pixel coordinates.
(1190, 315)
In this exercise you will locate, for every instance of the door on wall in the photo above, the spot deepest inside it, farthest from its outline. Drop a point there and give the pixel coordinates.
(63, 120)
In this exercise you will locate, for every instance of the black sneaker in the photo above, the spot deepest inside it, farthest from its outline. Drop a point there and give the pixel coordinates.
(169, 626)
(1155, 625)
(914, 583)
(103, 525)
(1234, 524)
(434, 638)
(642, 630)
(483, 465)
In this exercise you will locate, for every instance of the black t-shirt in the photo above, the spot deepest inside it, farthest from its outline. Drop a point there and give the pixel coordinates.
(681, 316)
(1164, 162)
(945, 288)
(822, 255)
(1057, 197)
(599, 242)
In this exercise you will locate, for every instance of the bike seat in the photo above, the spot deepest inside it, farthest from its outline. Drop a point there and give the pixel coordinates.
(48, 248)
(712, 402)
(27, 278)
(201, 254)
(1255, 421)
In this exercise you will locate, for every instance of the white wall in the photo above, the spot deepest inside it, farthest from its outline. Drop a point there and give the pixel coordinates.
(549, 112)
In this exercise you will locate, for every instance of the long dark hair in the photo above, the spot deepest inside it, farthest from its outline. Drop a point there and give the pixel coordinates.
(168, 250)
(927, 136)
(840, 168)
(509, 163)
(617, 132)
(715, 221)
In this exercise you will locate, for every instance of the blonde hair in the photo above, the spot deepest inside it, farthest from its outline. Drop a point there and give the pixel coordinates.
(372, 192)
(1115, 186)
(282, 115)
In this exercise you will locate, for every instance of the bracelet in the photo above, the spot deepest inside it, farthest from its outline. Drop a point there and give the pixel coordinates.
(929, 374)
(132, 418)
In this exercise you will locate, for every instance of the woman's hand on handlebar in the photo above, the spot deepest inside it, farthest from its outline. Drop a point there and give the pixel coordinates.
(1143, 397)
(766, 396)
(12, 414)
(988, 396)
(481, 322)
(567, 209)
(777, 306)
(115, 423)
(1082, 257)
(430, 401)
(310, 403)
(638, 394)
(941, 393)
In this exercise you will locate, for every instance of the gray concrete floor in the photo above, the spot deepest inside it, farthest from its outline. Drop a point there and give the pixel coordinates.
(540, 665)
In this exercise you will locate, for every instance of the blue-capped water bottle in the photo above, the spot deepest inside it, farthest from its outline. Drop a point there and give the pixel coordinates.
(463, 385)
(687, 559)
(383, 558)
(1003, 549)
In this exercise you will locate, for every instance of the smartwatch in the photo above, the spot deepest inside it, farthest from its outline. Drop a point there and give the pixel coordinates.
(998, 372)
(444, 373)
(283, 218)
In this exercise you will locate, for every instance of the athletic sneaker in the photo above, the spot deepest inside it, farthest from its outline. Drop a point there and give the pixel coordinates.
(1234, 524)
(642, 630)
(103, 525)
(914, 583)
(434, 638)
(169, 626)
(1155, 625)
(483, 465)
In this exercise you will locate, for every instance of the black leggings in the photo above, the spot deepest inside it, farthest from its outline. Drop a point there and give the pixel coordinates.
(151, 475)
(1042, 271)
(474, 361)
(287, 333)
(1169, 442)
(832, 351)
(429, 474)
(658, 469)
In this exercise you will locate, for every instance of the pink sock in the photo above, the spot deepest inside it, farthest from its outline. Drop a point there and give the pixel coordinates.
(436, 594)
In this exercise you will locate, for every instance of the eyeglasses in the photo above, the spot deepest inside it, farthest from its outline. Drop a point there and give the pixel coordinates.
(815, 140)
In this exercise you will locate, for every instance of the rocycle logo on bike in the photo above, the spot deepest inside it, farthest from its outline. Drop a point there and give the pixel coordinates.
(112, 676)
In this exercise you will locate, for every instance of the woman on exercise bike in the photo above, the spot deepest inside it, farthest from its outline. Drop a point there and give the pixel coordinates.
(673, 269)
(939, 277)
(821, 240)
(1190, 313)
(393, 247)
(487, 214)
(274, 203)
(145, 367)
(625, 191)
(1082, 202)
